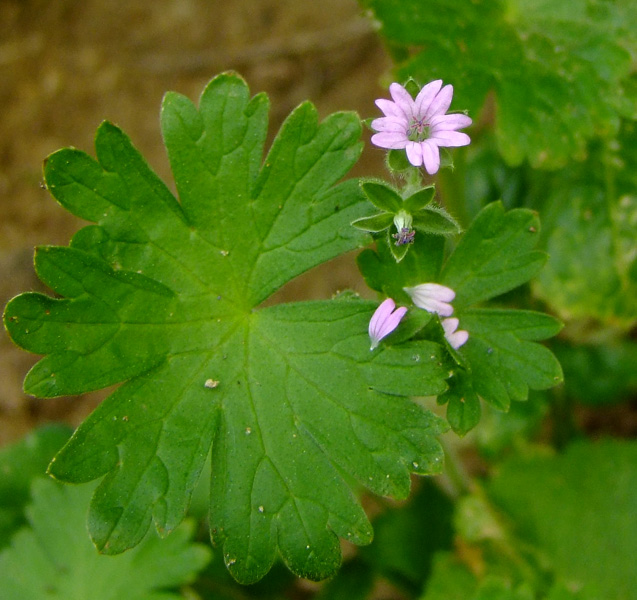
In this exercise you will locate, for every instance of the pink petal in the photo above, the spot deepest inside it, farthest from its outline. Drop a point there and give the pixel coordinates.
(392, 321)
(450, 325)
(425, 96)
(448, 139)
(389, 108)
(430, 156)
(390, 124)
(391, 140)
(434, 290)
(402, 98)
(455, 338)
(380, 314)
(414, 153)
(450, 122)
(440, 103)
(432, 297)
(384, 321)
(458, 338)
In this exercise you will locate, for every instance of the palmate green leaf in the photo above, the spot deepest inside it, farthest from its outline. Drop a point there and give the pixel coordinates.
(559, 70)
(55, 559)
(163, 295)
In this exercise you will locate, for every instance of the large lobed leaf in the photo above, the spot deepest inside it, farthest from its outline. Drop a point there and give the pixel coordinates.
(559, 70)
(163, 295)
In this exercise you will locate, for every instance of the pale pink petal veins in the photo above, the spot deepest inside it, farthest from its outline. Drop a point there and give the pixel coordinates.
(432, 297)
(394, 124)
(450, 122)
(414, 153)
(440, 103)
(380, 314)
(393, 320)
(384, 320)
(402, 98)
(448, 139)
(391, 109)
(439, 291)
(425, 96)
(430, 156)
(391, 140)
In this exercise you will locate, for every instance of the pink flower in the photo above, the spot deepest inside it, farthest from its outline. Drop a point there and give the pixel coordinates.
(420, 126)
(455, 338)
(384, 320)
(432, 297)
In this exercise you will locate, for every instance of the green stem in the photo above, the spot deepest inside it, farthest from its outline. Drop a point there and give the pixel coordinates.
(459, 479)
(413, 181)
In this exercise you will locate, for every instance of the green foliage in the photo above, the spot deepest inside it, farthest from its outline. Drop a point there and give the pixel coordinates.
(583, 500)
(19, 464)
(590, 220)
(164, 296)
(53, 558)
(599, 374)
(559, 70)
(501, 360)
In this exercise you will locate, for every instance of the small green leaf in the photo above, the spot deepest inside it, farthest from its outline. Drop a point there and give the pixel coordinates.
(374, 223)
(463, 409)
(419, 200)
(382, 196)
(494, 255)
(504, 359)
(55, 559)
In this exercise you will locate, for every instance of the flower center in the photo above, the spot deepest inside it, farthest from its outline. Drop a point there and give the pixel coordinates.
(418, 130)
(404, 236)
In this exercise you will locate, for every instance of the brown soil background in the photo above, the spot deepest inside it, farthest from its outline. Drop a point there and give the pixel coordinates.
(65, 66)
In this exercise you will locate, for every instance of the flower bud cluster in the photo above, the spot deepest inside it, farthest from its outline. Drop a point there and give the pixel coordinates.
(436, 298)
(432, 297)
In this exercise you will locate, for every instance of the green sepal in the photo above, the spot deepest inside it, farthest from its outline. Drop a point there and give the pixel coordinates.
(419, 200)
(396, 160)
(412, 86)
(435, 220)
(375, 223)
(382, 196)
(398, 252)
